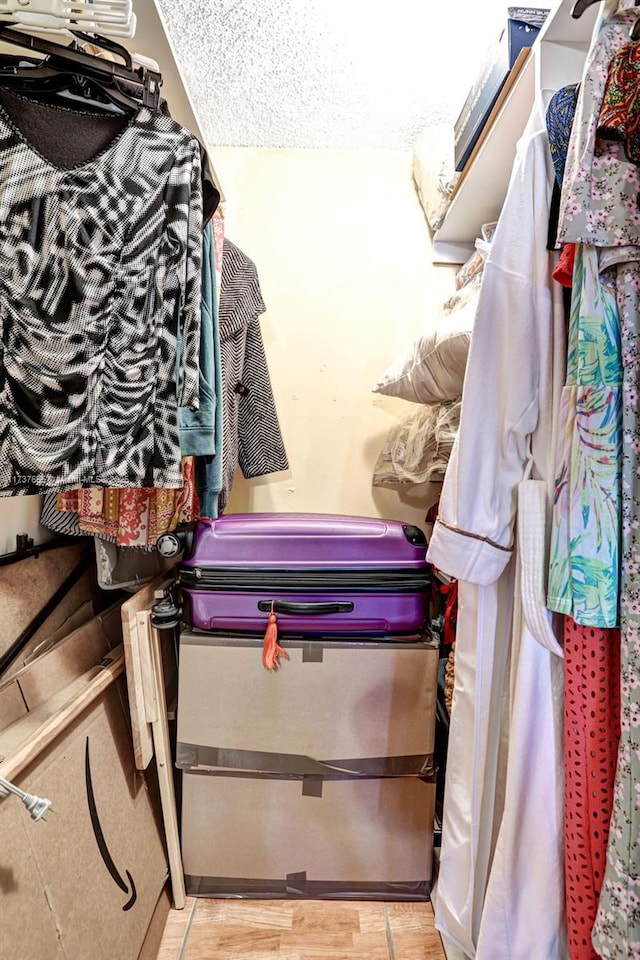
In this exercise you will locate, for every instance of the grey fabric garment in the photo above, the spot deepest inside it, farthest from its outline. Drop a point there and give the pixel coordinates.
(251, 439)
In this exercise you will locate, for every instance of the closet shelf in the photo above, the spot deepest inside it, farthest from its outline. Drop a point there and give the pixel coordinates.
(556, 58)
(482, 188)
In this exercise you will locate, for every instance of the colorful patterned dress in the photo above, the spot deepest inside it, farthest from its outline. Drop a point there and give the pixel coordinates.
(585, 533)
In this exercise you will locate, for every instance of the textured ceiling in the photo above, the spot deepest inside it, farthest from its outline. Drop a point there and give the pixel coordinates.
(328, 73)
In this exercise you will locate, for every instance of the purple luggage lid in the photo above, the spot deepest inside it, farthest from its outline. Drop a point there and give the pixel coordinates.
(308, 540)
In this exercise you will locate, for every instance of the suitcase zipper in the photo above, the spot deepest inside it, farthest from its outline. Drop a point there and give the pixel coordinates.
(292, 581)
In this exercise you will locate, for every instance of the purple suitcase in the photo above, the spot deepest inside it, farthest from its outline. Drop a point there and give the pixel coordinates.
(323, 574)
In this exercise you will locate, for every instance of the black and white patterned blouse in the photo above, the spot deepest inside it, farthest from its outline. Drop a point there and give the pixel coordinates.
(99, 267)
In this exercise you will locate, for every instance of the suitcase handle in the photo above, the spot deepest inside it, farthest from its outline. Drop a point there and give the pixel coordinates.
(304, 609)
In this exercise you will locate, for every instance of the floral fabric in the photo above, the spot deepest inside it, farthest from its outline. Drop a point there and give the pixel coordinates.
(560, 114)
(616, 934)
(600, 187)
(620, 111)
(133, 517)
(585, 532)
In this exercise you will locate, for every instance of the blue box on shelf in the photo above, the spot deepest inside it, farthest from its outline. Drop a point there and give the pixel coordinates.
(523, 26)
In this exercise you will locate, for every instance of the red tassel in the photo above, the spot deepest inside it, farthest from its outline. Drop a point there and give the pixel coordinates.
(271, 649)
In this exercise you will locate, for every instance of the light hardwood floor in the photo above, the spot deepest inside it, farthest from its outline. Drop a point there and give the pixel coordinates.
(300, 930)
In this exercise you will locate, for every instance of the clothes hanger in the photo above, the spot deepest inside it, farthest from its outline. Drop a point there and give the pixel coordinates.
(63, 62)
(50, 78)
(97, 40)
(580, 6)
(113, 17)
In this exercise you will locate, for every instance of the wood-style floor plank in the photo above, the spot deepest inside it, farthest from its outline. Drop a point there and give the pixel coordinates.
(219, 940)
(410, 917)
(372, 946)
(302, 930)
(416, 946)
(317, 940)
(325, 915)
(372, 917)
(175, 930)
(251, 913)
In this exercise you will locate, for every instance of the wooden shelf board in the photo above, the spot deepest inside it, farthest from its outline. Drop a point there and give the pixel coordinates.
(481, 191)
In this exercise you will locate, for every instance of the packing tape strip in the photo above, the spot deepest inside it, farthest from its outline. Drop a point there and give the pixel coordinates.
(190, 756)
(312, 787)
(313, 653)
(298, 886)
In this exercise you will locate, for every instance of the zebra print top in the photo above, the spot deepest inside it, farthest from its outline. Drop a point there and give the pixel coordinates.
(99, 268)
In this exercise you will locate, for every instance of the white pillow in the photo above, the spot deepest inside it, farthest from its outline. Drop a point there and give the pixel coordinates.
(432, 370)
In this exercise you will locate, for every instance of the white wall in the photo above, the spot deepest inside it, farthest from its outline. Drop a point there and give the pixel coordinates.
(344, 260)
(20, 515)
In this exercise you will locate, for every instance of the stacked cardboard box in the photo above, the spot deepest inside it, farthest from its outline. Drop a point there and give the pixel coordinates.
(88, 880)
(314, 781)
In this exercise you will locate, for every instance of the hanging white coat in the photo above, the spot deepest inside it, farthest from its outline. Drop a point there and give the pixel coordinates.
(500, 891)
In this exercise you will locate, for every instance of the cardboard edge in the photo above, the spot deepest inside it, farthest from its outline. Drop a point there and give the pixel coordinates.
(66, 705)
(151, 944)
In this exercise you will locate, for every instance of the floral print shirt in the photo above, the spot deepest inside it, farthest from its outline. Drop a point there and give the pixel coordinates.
(599, 203)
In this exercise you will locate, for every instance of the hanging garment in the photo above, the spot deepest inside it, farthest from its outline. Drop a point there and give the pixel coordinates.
(591, 737)
(209, 469)
(600, 188)
(138, 517)
(133, 518)
(563, 272)
(251, 438)
(493, 858)
(527, 866)
(619, 117)
(100, 270)
(585, 530)
(474, 785)
(126, 517)
(616, 933)
(198, 434)
(560, 114)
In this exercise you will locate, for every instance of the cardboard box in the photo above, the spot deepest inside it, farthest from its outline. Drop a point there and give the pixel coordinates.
(361, 707)
(522, 28)
(284, 837)
(59, 580)
(29, 689)
(304, 782)
(85, 882)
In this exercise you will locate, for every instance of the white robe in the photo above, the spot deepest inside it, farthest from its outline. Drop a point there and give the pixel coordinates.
(500, 890)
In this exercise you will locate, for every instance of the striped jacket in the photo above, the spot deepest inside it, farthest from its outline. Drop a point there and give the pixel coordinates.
(251, 437)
